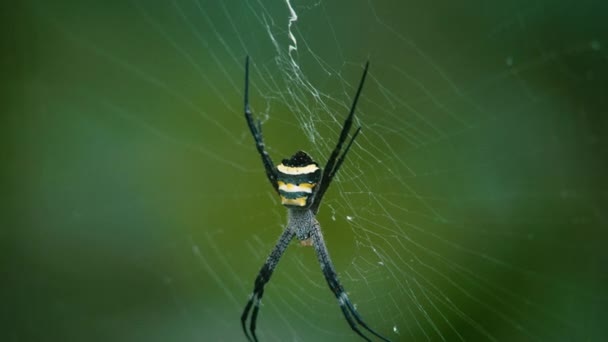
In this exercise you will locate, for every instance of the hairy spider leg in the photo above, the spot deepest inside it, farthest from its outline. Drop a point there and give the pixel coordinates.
(263, 277)
(333, 164)
(341, 159)
(331, 276)
(256, 131)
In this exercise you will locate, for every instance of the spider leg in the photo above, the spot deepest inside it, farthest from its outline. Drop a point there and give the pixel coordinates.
(256, 131)
(341, 159)
(331, 276)
(358, 317)
(261, 280)
(333, 163)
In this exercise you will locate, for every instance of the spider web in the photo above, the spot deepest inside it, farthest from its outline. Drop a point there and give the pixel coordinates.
(471, 207)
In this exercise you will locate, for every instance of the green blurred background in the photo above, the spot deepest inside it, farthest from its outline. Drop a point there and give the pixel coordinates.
(472, 207)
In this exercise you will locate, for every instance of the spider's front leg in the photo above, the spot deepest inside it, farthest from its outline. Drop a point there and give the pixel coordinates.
(261, 280)
(331, 276)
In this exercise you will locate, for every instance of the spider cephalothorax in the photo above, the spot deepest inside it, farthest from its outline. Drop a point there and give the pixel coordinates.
(297, 178)
(301, 184)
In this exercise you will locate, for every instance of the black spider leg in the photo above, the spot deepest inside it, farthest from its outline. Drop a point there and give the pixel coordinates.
(334, 163)
(261, 280)
(256, 131)
(331, 276)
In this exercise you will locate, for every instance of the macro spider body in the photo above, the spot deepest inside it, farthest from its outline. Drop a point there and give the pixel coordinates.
(297, 177)
(301, 184)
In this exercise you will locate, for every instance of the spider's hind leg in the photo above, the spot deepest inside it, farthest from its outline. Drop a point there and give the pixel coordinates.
(256, 131)
(335, 159)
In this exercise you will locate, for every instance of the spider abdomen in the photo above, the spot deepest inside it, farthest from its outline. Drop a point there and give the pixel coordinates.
(297, 178)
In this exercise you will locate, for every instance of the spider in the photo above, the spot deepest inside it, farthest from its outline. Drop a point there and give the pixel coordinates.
(301, 184)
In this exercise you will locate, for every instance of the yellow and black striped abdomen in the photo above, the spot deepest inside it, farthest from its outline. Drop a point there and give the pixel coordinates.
(297, 179)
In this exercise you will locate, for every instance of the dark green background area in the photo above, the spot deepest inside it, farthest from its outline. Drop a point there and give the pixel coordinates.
(135, 207)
